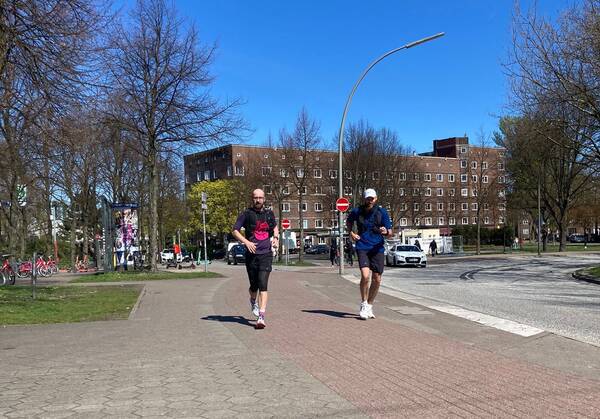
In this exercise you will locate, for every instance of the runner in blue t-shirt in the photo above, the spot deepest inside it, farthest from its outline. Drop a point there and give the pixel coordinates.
(373, 225)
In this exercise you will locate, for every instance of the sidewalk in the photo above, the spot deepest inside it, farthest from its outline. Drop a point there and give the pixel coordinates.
(189, 350)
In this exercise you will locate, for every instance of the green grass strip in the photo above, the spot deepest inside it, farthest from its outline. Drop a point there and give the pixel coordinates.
(143, 276)
(66, 304)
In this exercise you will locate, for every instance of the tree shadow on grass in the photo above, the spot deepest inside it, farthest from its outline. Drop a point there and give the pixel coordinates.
(229, 319)
(332, 313)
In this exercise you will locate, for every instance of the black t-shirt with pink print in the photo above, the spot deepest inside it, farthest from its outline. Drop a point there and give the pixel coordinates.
(261, 234)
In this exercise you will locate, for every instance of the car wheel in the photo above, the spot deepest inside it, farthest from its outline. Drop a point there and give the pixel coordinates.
(228, 262)
(235, 261)
(387, 262)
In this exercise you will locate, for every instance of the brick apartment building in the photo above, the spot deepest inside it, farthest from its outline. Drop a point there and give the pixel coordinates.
(440, 189)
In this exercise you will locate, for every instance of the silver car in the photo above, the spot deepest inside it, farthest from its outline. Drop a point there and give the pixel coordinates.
(405, 255)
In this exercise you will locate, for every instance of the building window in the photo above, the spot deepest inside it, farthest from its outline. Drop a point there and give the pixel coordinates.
(463, 178)
(415, 191)
(267, 189)
(473, 165)
(427, 177)
(484, 165)
(463, 150)
(333, 174)
(464, 192)
(502, 206)
(452, 192)
(318, 190)
(403, 207)
(389, 191)
(283, 157)
(474, 206)
(465, 206)
(198, 176)
(439, 177)
(285, 207)
(239, 154)
(403, 222)
(347, 190)
(474, 178)
(304, 190)
(415, 176)
(452, 206)
(486, 220)
(428, 221)
(266, 156)
(266, 171)
(484, 179)
(239, 169)
(441, 221)
(486, 206)
(427, 191)
(318, 174)
(285, 190)
(427, 206)
(416, 206)
(348, 174)
(318, 207)
(525, 222)
(402, 176)
(304, 207)
(304, 223)
(417, 221)
(440, 206)
(214, 174)
(500, 166)
(284, 173)
(318, 223)
(463, 164)
(375, 175)
(450, 178)
(500, 220)
(440, 192)
(299, 173)
(473, 192)
(451, 221)
(473, 220)
(228, 170)
(500, 179)
(401, 192)
(465, 220)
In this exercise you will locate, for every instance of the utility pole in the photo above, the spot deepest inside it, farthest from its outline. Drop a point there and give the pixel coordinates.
(204, 207)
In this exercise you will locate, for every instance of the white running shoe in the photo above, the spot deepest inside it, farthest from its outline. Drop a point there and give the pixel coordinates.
(364, 310)
(260, 323)
(370, 311)
(255, 310)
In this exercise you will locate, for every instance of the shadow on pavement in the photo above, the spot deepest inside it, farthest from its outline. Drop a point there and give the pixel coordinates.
(229, 319)
(333, 313)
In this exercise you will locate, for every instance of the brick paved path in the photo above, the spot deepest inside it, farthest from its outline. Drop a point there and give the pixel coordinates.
(188, 351)
(389, 370)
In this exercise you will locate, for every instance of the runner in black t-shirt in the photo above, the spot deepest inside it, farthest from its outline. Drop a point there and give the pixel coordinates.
(260, 235)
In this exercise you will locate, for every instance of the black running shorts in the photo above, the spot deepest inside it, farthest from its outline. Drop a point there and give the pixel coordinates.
(259, 268)
(372, 259)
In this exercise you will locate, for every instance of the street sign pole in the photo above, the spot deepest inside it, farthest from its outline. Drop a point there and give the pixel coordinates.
(342, 204)
(204, 207)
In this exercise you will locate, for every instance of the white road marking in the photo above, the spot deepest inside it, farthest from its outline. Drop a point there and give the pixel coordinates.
(485, 319)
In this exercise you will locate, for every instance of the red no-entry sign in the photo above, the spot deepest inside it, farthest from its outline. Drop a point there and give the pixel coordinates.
(285, 224)
(342, 204)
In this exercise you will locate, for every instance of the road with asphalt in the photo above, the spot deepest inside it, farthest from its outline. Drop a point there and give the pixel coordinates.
(538, 292)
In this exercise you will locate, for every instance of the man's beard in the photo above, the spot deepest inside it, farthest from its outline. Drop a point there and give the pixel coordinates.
(258, 205)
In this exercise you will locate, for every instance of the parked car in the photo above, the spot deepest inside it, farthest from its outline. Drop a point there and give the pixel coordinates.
(167, 254)
(319, 249)
(406, 255)
(219, 253)
(577, 238)
(236, 255)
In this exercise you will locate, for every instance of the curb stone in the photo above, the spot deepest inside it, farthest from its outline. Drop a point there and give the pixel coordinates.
(581, 276)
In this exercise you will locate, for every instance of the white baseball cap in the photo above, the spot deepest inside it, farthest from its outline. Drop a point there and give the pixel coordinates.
(370, 193)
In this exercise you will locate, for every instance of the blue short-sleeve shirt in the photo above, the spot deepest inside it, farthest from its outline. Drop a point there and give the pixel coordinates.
(370, 238)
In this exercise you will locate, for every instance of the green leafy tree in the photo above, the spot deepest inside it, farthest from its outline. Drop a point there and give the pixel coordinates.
(223, 205)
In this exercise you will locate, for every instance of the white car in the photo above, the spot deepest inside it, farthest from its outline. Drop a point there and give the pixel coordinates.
(405, 255)
(167, 254)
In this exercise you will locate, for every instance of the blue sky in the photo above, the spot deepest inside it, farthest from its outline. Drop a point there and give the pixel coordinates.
(281, 55)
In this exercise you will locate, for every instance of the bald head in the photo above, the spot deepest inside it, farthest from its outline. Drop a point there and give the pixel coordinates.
(258, 199)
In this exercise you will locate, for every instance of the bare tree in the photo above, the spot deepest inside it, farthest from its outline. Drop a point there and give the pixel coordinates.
(300, 149)
(161, 69)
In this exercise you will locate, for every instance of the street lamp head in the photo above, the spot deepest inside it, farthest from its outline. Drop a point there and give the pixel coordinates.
(421, 41)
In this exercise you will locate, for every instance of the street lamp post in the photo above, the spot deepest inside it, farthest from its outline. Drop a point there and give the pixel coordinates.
(341, 133)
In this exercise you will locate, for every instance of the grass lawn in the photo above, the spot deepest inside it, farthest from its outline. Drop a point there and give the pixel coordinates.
(143, 276)
(66, 304)
(294, 263)
(595, 272)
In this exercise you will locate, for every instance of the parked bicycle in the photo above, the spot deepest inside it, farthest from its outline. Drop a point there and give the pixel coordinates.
(8, 276)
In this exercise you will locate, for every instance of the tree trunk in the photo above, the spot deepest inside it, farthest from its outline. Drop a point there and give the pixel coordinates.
(563, 238)
(153, 231)
(478, 248)
(301, 216)
(72, 237)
